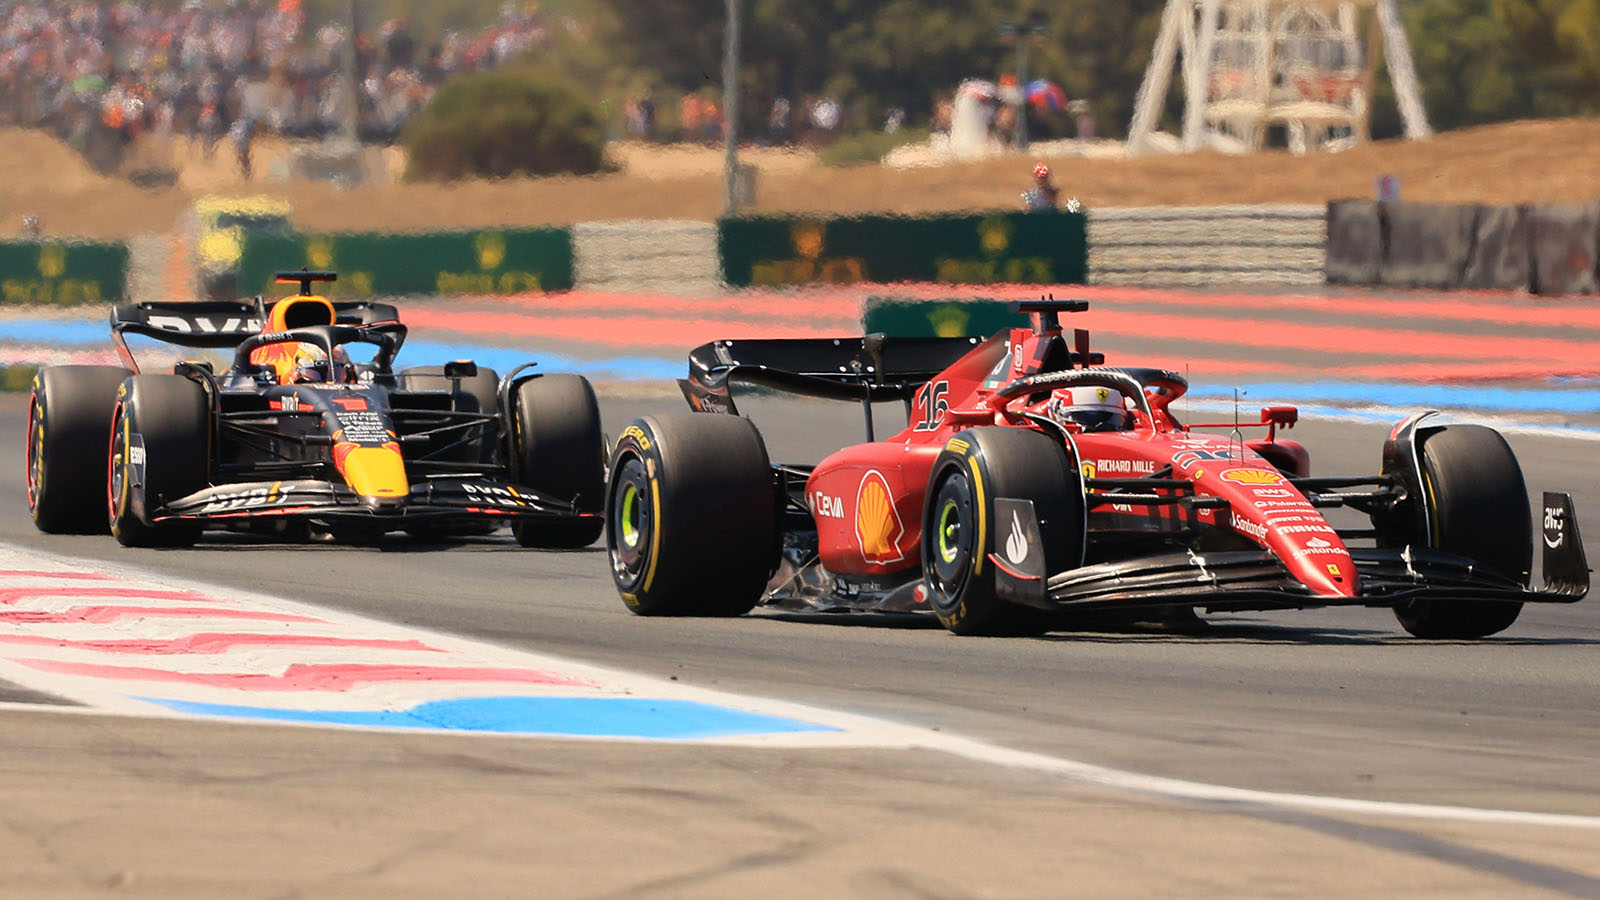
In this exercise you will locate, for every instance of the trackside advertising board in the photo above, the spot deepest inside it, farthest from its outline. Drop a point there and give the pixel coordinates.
(498, 261)
(62, 273)
(994, 248)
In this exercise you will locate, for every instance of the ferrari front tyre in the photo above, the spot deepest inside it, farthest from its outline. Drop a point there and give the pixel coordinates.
(69, 429)
(561, 454)
(160, 452)
(960, 527)
(1477, 507)
(691, 515)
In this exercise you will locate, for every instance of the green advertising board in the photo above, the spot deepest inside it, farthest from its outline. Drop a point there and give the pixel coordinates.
(64, 273)
(497, 261)
(955, 317)
(997, 248)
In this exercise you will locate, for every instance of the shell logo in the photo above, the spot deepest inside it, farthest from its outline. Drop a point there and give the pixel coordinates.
(878, 525)
(1252, 476)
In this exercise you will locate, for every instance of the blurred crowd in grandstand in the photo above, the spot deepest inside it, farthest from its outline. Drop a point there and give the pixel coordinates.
(207, 72)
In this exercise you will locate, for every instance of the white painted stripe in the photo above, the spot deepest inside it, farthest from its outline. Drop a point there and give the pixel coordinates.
(854, 731)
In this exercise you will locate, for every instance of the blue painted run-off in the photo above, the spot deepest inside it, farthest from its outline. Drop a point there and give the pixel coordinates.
(1573, 401)
(627, 717)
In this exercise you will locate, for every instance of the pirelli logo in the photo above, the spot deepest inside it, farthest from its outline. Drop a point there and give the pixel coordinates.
(957, 445)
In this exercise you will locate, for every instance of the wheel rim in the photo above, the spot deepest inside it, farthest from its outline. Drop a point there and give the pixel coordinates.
(116, 473)
(949, 565)
(630, 523)
(35, 459)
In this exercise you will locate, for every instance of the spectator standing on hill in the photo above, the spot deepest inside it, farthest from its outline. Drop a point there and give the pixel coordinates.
(1043, 196)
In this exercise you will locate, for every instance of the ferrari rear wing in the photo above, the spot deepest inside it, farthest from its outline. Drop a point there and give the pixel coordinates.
(874, 367)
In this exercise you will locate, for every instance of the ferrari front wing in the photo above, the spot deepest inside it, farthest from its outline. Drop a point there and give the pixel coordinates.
(1256, 579)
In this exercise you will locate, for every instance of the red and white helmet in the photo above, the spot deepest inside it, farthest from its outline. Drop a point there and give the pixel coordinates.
(1089, 408)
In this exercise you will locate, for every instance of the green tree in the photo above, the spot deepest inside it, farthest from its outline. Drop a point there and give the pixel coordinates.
(508, 122)
(1561, 38)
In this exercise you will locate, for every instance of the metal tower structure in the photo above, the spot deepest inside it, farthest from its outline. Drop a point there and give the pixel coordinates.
(1248, 65)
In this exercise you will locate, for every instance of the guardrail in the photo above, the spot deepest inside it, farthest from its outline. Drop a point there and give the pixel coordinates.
(1198, 246)
(1552, 249)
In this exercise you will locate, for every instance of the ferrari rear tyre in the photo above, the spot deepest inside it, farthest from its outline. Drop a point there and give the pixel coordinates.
(1478, 506)
(691, 515)
(960, 528)
(69, 429)
(561, 454)
(160, 452)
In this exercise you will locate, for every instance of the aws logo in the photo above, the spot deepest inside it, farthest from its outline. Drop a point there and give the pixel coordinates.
(878, 525)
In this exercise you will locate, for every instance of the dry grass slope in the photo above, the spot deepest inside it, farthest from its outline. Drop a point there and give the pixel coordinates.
(1520, 162)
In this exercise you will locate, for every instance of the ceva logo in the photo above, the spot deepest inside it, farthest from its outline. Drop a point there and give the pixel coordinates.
(878, 525)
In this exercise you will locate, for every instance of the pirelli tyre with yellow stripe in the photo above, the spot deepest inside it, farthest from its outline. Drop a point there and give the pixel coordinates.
(292, 431)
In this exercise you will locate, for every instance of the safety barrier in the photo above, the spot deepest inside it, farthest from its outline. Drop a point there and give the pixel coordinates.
(1198, 246)
(668, 256)
(500, 261)
(1013, 248)
(62, 273)
(1551, 249)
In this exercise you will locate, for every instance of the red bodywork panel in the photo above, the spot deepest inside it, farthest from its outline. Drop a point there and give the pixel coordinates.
(867, 500)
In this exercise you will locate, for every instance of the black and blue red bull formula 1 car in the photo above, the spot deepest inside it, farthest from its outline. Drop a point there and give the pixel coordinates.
(309, 422)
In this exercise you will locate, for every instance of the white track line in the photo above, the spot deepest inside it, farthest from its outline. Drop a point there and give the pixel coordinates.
(858, 731)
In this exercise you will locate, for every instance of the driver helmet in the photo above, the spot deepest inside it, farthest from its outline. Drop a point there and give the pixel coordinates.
(311, 365)
(1089, 408)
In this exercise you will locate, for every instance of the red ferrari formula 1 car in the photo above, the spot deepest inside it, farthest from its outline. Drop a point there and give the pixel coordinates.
(1032, 479)
(307, 424)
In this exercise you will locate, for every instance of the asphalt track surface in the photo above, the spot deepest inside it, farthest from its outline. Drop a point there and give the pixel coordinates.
(1338, 703)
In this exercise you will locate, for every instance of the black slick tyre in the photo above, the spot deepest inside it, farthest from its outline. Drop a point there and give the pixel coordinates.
(69, 431)
(160, 452)
(1478, 507)
(691, 515)
(560, 450)
(959, 528)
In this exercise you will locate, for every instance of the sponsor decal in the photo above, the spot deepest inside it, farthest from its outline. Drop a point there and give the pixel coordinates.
(1123, 466)
(1206, 454)
(1017, 541)
(1318, 547)
(637, 434)
(1253, 529)
(1555, 530)
(1252, 476)
(481, 493)
(276, 493)
(1335, 571)
(1298, 505)
(1304, 529)
(350, 404)
(1272, 492)
(1318, 542)
(1089, 470)
(826, 507)
(878, 525)
(956, 445)
(204, 324)
(364, 427)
